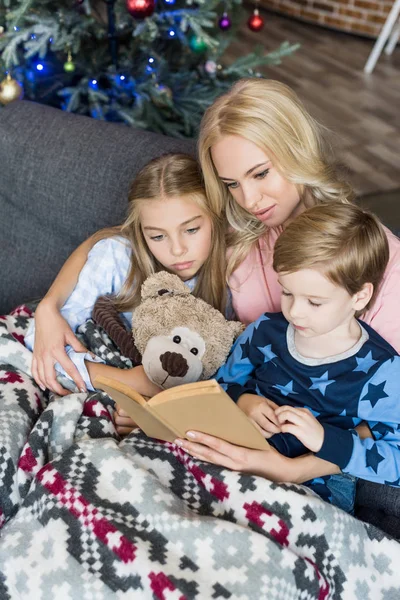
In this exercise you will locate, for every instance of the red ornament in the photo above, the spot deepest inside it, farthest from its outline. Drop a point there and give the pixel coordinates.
(255, 23)
(140, 9)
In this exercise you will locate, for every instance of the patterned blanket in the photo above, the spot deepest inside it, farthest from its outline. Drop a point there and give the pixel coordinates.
(85, 515)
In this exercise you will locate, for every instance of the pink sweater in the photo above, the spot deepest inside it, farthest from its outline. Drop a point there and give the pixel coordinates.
(255, 289)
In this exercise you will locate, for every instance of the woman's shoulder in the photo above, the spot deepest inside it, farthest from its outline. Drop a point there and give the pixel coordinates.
(394, 253)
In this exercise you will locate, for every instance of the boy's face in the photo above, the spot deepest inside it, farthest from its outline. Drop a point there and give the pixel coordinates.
(313, 304)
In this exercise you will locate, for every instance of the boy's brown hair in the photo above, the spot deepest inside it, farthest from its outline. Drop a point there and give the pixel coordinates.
(348, 244)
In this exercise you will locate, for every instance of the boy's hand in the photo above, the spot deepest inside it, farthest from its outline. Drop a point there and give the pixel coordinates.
(262, 412)
(303, 425)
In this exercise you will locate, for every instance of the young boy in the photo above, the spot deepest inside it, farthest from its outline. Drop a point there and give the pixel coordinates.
(309, 375)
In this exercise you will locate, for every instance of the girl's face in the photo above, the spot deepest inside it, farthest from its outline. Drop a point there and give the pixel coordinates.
(254, 182)
(178, 234)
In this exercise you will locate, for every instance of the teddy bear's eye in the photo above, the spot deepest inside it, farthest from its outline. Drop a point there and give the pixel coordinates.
(194, 351)
(176, 339)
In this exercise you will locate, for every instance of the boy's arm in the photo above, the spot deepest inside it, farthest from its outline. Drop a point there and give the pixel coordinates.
(374, 459)
(238, 369)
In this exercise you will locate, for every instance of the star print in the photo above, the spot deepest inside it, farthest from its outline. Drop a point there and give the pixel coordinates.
(267, 353)
(375, 393)
(321, 383)
(382, 429)
(373, 458)
(396, 482)
(365, 363)
(245, 349)
(285, 390)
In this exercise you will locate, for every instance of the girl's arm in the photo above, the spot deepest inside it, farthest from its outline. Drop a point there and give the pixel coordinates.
(374, 458)
(104, 272)
(52, 332)
(136, 378)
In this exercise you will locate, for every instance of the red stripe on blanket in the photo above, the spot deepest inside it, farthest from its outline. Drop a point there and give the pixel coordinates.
(20, 338)
(217, 488)
(10, 377)
(255, 512)
(21, 311)
(94, 408)
(87, 514)
(160, 584)
(27, 460)
(324, 589)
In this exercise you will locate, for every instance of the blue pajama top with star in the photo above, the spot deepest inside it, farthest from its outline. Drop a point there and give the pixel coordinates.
(362, 384)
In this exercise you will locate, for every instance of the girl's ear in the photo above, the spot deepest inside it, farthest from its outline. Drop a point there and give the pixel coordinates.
(361, 298)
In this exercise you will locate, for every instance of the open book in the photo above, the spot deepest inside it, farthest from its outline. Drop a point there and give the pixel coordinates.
(200, 406)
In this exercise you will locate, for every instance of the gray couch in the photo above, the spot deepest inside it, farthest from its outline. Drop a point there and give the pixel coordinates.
(64, 176)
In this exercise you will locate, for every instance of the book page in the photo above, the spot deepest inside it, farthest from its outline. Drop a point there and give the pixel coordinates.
(213, 413)
(136, 407)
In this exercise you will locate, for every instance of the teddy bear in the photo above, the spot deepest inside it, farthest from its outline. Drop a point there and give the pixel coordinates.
(181, 338)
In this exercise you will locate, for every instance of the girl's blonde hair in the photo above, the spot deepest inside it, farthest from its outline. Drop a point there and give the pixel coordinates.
(348, 244)
(169, 176)
(269, 114)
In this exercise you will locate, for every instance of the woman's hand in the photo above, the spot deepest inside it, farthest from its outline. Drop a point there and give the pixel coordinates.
(52, 334)
(265, 463)
(262, 412)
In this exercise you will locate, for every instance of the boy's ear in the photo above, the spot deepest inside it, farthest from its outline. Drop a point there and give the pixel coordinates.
(362, 297)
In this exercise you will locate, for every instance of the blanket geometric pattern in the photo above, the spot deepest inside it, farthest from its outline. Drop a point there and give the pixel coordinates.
(85, 515)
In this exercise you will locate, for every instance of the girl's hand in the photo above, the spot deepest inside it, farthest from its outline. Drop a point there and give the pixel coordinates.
(52, 334)
(262, 412)
(123, 423)
(266, 463)
(301, 423)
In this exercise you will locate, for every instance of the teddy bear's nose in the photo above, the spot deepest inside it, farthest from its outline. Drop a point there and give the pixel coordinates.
(174, 364)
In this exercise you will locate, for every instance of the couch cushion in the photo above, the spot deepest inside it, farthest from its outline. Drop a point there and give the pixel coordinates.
(63, 177)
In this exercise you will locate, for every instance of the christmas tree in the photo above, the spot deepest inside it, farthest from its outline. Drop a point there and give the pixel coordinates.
(151, 64)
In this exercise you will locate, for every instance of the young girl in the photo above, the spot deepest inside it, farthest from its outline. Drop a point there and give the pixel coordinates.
(170, 226)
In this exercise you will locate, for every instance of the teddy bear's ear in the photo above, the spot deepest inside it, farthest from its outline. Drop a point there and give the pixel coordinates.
(236, 328)
(161, 284)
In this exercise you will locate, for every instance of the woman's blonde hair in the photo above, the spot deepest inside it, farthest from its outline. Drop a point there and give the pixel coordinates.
(269, 114)
(348, 244)
(169, 176)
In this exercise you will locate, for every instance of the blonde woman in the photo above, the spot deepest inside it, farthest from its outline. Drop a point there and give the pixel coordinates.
(170, 226)
(264, 160)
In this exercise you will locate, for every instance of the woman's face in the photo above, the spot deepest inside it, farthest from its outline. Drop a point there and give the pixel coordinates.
(254, 182)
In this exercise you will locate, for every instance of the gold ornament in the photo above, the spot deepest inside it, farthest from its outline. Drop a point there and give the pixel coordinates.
(10, 90)
(163, 96)
(69, 66)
